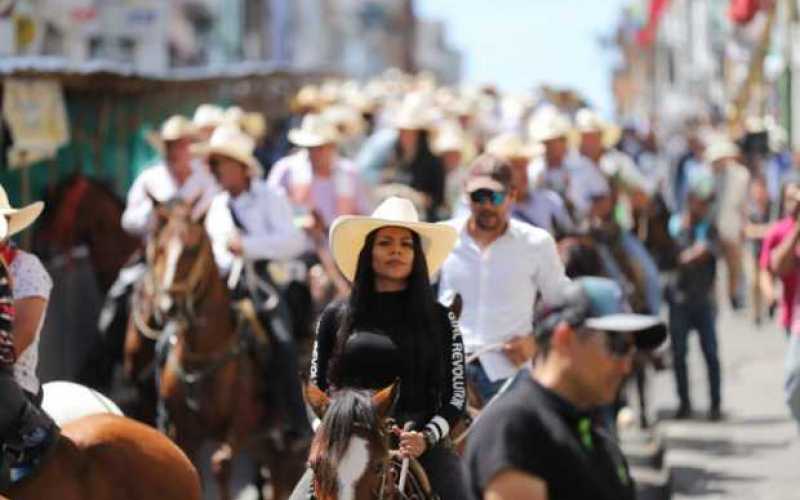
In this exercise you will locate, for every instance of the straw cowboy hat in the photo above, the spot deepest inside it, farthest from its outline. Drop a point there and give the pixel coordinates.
(510, 145)
(231, 142)
(349, 232)
(588, 121)
(720, 148)
(208, 115)
(175, 128)
(16, 219)
(315, 130)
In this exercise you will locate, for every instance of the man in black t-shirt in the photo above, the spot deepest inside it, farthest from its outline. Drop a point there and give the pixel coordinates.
(538, 440)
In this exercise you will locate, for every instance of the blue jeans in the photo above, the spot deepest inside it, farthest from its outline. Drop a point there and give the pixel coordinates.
(792, 377)
(683, 318)
(478, 379)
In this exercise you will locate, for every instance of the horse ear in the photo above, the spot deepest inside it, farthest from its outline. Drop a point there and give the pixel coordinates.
(317, 399)
(385, 399)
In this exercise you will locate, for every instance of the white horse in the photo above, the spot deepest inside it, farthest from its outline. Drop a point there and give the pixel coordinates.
(66, 401)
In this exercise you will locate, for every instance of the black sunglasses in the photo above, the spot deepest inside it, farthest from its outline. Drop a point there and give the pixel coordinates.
(495, 197)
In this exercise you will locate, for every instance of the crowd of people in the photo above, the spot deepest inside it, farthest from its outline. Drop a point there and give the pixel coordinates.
(467, 238)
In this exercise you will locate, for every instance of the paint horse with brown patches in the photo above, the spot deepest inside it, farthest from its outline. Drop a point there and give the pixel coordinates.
(211, 386)
(350, 456)
(108, 457)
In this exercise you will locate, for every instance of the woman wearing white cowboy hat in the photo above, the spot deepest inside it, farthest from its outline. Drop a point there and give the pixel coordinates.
(410, 159)
(316, 177)
(392, 328)
(252, 221)
(23, 426)
(179, 176)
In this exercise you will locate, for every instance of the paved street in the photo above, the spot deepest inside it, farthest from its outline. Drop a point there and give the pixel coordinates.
(754, 452)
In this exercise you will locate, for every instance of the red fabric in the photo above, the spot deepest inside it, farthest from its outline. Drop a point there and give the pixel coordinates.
(8, 253)
(743, 11)
(772, 239)
(647, 35)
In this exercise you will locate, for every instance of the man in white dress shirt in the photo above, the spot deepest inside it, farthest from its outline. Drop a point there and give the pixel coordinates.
(179, 176)
(499, 266)
(253, 222)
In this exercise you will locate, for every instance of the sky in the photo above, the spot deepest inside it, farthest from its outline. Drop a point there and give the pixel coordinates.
(520, 44)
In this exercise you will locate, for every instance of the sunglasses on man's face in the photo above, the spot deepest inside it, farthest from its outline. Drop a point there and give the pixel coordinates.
(496, 198)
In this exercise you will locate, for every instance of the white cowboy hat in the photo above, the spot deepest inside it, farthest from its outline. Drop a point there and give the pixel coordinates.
(315, 130)
(720, 148)
(550, 125)
(208, 115)
(231, 142)
(510, 145)
(174, 128)
(587, 121)
(346, 119)
(448, 138)
(348, 233)
(16, 219)
(415, 112)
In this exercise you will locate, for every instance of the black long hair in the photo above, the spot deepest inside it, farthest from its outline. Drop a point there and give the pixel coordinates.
(427, 172)
(425, 336)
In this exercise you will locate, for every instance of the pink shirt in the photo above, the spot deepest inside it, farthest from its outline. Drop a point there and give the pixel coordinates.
(775, 235)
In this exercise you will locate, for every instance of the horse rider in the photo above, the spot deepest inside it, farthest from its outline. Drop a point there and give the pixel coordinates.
(535, 204)
(251, 224)
(391, 328)
(316, 177)
(26, 431)
(539, 440)
(179, 176)
(498, 266)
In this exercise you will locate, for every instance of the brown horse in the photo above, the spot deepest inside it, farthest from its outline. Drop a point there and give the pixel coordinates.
(350, 455)
(83, 211)
(107, 457)
(211, 385)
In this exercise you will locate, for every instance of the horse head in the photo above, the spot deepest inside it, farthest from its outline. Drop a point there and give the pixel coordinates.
(180, 259)
(350, 452)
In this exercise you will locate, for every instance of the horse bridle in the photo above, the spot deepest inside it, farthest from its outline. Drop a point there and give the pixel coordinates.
(189, 290)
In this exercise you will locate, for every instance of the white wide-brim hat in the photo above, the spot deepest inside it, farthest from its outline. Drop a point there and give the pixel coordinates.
(550, 125)
(15, 220)
(720, 148)
(349, 232)
(208, 115)
(588, 121)
(509, 145)
(231, 142)
(315, 130)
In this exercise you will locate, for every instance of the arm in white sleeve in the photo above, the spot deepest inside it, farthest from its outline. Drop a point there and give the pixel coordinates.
(284, 241)
(138, 215)
(220, 227)
(550, 276)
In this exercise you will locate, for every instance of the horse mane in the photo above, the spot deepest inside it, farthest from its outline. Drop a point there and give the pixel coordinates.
(351, 412)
